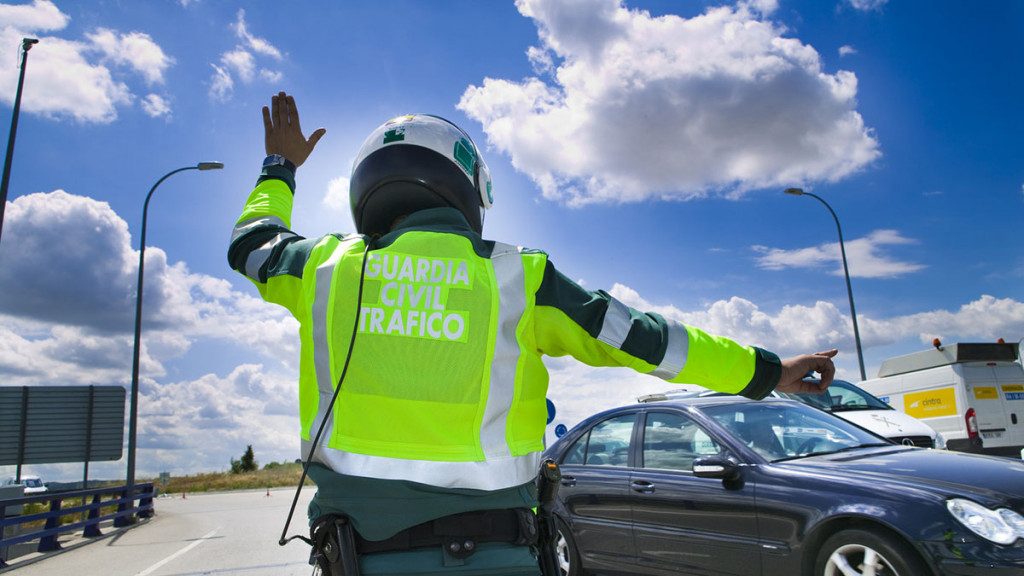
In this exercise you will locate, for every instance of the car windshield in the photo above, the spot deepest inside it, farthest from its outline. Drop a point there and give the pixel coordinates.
(841, 396)
(786, 430)
(33, 483)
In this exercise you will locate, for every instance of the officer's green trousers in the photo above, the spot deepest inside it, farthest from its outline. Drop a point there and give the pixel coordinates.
(379, 508)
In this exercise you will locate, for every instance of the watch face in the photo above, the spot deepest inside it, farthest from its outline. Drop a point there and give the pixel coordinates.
(273, 160)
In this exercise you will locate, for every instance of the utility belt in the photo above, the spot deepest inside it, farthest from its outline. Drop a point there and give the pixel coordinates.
(337, 546)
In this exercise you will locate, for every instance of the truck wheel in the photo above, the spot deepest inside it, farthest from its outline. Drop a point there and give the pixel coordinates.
(565, 550)
(867, 552)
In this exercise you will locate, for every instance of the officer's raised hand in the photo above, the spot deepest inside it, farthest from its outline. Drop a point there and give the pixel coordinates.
(794, 369)
(282, 132)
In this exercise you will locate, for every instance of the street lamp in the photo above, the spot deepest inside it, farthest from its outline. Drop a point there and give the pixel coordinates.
(26, 45)
(846, 271)
(133, 411)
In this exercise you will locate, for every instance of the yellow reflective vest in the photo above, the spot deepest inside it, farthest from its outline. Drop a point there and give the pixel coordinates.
(445, 385)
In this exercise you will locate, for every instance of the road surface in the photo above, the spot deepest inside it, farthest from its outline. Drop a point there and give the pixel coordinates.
(220, 533)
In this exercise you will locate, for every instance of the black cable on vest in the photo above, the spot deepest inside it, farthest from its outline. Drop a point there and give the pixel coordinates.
(330, 407)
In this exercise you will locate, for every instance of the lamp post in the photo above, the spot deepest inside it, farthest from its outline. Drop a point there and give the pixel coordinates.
(134, 409)
(846, 271)
(26, 45)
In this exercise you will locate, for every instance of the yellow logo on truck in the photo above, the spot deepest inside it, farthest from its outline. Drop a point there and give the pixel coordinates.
(931, 404)
(986, 393)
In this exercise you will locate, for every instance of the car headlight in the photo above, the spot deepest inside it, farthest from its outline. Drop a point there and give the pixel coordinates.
(1016, 521)
(1001, 526)
(940, 441)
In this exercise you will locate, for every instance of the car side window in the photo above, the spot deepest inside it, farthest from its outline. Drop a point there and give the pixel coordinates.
(673, 442)
(608, 444)
(575, 454)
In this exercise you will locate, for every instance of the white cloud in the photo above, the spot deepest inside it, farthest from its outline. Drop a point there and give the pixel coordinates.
(77, 271)
(270, 76)
(40, 16)
(336, 197)
(135, 49)
(67, 318)
(641, 107)
(247, 406)
(221, 84)
(241, 62)
(254, 43)
(846, 50)
(799, 329)
(66, 82)
(868, 5)
(155, 105)
(863, 256)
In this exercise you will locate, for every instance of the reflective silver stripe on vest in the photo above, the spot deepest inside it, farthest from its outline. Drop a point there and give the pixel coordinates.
(616, 324)
(676, 350)
(258, 257)
(490, 474)
(321, 339)
(248, 225)
(511, 281)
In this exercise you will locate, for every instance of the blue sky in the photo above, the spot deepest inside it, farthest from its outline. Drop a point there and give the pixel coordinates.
(643, 145)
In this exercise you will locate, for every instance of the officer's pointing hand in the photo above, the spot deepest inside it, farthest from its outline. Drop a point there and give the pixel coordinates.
(282, 132)
(794, 369)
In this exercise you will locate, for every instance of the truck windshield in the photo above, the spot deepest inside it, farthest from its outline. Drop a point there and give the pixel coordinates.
(841, 396)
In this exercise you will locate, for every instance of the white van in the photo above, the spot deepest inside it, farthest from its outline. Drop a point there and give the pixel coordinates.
(32, 484)
(848, 402)
(973, 394)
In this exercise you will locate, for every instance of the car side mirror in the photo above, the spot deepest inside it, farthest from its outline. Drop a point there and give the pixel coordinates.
(716, 467)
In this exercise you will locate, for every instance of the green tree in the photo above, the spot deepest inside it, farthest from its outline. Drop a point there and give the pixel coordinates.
(248, 462)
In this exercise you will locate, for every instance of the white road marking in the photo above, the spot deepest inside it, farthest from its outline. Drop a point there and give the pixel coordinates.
(156, 566)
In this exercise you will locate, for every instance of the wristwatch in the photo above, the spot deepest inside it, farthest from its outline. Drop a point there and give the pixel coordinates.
(278, 160)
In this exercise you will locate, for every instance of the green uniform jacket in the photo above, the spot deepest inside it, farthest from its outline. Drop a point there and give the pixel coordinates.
(446, 387)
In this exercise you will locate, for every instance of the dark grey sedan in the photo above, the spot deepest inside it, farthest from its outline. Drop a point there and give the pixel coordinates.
(726, 485)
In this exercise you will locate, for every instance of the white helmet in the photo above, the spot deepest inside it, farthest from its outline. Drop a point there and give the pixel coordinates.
(415, 162)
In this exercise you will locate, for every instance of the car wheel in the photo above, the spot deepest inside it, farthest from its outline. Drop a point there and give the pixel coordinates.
(565, 550)
(867, 553)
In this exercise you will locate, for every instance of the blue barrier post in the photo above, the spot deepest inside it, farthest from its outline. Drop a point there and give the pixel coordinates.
(146, 499)
(50, 543)
(92, 525)
(125, 504)
(3, 533)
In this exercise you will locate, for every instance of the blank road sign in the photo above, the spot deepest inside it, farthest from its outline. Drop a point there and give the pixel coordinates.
(50, 424)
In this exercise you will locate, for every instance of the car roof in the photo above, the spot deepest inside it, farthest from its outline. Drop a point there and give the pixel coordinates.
(707, 400)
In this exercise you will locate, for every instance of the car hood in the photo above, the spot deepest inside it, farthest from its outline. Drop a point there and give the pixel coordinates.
(888, 423)
(938, 471)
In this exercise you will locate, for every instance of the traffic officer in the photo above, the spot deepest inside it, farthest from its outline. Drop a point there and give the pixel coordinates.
(431, 449)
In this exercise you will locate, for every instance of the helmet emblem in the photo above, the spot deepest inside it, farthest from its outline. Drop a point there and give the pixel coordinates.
(464, 155)
(394, 135)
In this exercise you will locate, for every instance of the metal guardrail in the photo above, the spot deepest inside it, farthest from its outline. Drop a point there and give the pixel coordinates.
(125, 503)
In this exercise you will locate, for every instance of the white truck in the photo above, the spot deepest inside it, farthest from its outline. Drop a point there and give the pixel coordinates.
(971, 393)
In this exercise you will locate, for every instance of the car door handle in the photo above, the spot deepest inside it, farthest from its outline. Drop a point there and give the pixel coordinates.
(568, 480)
(642, 486)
